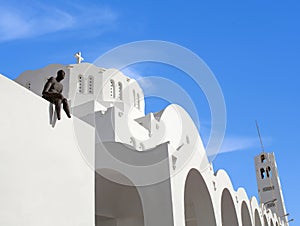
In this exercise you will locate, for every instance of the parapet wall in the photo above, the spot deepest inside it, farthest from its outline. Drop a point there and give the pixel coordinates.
(43, 178)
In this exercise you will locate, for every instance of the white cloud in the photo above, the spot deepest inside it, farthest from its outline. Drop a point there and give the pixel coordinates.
(237, 143)
(242, 143)
(45, 19)
(232, 143)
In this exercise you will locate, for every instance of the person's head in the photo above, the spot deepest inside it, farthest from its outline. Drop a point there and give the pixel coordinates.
(60, 75)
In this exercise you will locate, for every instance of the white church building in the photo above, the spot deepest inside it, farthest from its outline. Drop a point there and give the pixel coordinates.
(112, 165)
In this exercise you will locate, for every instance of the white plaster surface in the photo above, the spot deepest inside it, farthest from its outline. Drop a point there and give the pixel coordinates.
(44, 179)
(150, 169)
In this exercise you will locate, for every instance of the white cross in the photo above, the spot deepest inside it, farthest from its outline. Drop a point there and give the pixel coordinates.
(78, 57)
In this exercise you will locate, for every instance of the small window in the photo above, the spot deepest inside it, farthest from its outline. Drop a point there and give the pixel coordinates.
(134, 98)
(28, 85)
(214, 184)
(120, 91)
(138, 101)
(112, 89)
(272, 204)
(263, 173)
(187, 139)
(174, 161)
(269, 172)
(80, 84)
(91, 84)
(263, 158)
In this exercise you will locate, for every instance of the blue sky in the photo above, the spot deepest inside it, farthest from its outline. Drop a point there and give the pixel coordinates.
(251, 46)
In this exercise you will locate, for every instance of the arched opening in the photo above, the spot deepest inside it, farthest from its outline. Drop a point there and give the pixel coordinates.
(91, 85)
(229, 217)
(120, 91)
(265, 221)
(112, 89)
(269, 171)
(276, 223)
(272, 223)
(257, 219)
(263, 173)
(80, 84)
(198, 206)
(117, 204)
(246, 219)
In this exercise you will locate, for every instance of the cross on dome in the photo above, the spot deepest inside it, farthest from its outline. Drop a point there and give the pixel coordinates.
(78, 57)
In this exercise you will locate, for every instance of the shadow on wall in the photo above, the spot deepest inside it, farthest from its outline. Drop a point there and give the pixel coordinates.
(117, 204)
(197, 201)
(229, 217)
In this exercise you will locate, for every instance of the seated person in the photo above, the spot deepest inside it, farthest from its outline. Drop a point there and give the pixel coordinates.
(53, 93)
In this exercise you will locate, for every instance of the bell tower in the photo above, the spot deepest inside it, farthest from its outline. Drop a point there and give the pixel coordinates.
(268, 183)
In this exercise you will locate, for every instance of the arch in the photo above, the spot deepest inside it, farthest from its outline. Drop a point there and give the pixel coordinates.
(276, 223)
(262, 173)
(91, 84)
(272, 223)
(246, 219)
(80, 83)
(265, 221)
(229, 217)
(198, 207)
(120, 91)
(112, 88)
(257, 219)
(269, 171)
(116, 204)
(226, 181)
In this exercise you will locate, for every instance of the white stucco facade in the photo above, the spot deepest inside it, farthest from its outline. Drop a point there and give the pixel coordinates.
(110, 164)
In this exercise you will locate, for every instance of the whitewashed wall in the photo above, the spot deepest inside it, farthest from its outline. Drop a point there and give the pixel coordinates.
(49, 183)
(43, 178)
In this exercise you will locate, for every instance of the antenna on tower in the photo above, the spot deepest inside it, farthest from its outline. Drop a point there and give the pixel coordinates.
(261, 143)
